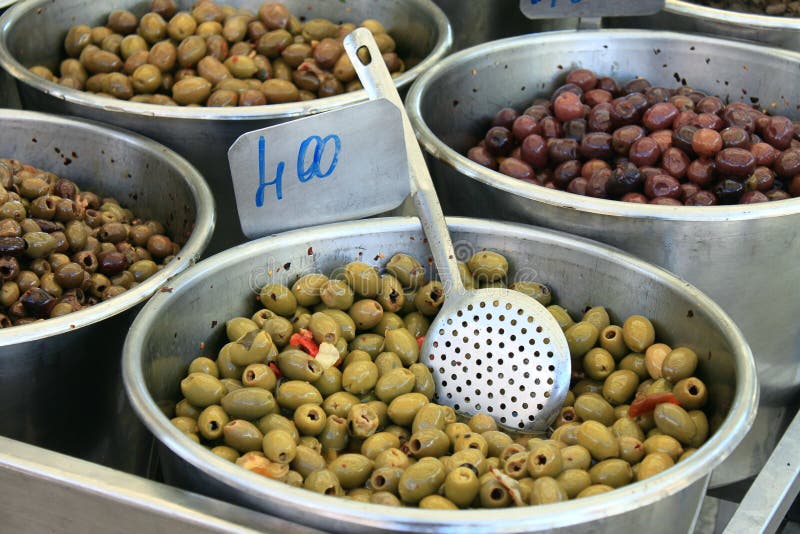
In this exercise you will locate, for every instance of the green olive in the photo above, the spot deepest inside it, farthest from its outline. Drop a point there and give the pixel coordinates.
(620, 386)
(424, 380)
(561, 315)
(228, 369)
(653, 464)
(598, 440)
(242, 436)
(324, 327)
(420, 480)
(544, 460)
(611, 339)
(428, 442)
(366, 313)
(202, 390)
(493, 494)
(298, 365)
(248, 403)
(680, 363)
(594, 489)
(691, 393)
(360, 377)
(185, 409)
(294, 393)
(701, 425)
(496, 441)
(436, 502)
(228, 453)
(487, 266)
(613, 472)
(404, 408)
(390, 296)
(372, 344)
(417, 324)
(253, 347)
(259, 375)
(631, 449)
(185, 424)
(389, 321)
(323, 481)
(404, 344)
(392, 457)
(280, 329)
(593, 407)
(456, 430)
(329, 382)
(309, 419)
(581, 337)
(356, 356)
(429, 416)
(279, 446)
(352, 470)
(635, 362)
(337, 294)
(598, 316)
(238, 327)
(598, 363)
(638, 333)
(347, 326)
(377, 443)
(334, 435)
(471, 440)
(663, 443)
(279, 299)
(362, 421)
(547, 490)
(574, 481)
(307, 460)
(307, 289)
(385, 479)
(675, 421)
(429, 298)
(407, 270)
(339, 403)
(364, 279)
(540, 292)
(389, 361)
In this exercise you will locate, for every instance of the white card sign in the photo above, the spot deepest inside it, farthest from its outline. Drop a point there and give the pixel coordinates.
(548, 9)
(335, 166)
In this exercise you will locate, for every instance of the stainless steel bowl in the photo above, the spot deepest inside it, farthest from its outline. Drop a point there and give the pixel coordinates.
(744, 257)
(688, 17)
(487, 20)
(8, 89)
(61, 383)
(33, 33)
(164, 339)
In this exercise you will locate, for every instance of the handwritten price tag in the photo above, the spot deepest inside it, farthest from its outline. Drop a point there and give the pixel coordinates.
(335, 166)
(549, 9)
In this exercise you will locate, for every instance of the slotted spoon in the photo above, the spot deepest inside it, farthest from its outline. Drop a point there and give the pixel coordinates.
(493, 351)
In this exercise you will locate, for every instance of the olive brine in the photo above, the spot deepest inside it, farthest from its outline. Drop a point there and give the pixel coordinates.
(324, 388)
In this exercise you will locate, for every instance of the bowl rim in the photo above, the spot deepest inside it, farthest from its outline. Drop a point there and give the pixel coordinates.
(202, 231)
(302, 504)
(725, 16)
(562, 199)
(24, 76)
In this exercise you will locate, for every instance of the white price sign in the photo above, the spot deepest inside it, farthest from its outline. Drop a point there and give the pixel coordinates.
(335, 166)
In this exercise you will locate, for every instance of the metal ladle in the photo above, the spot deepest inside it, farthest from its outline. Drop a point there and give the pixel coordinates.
(494, 351)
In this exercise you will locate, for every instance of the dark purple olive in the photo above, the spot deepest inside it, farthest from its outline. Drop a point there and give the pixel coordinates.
(738, 117)
(728, 191)
(596, 186)
(12, 246)
(794, 186)
(778, 194)
(624, 179)
(560, 150)
(9, 268)
(702, 198)
(112, 263)
(762, 179)
(537, 111)
(505, 118)
(753, 197)
(710, 121)
(634, 198)
(481, 156)
(65, 189)
(662, 185)
(683, 103)
(623, 138)
(656, 95)
(735, 137)
(623, 112)
(687, 190)
(682, 138)
(779, 132)
(599, 119)
(787, 164)
(578, 186)
(534, 151)
(666, 201)
(644, 152)
(38, 302)
(660, 116)
(639, 101)
(499, 141)
(516, 168)
(609, 84)
(551, 128)
(575, 129)
(523, 126)
(566, 172)
(675, 162)
(637, 85)
(709, 104)
(736, 162)
(596, 145)
(566, 88)
(701, 172)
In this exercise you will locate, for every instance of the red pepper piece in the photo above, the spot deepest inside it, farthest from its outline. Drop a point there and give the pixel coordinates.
(275, 370)
(648, 403)
(420, 341)
(304, 340)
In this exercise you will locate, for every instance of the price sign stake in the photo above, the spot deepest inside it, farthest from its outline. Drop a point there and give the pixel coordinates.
(335, 166)
(551, 9)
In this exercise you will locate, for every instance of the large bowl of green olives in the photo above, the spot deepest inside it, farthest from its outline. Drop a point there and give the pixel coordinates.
(286, 375)
(231, 66)
(63, 319)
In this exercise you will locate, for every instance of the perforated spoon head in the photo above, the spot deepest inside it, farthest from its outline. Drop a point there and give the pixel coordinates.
(499, 352)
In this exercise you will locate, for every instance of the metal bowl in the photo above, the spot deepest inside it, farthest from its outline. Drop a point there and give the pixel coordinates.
(744, 257)
(8, 89)
(33, 33)
(164, 339)
(688, 17)
(61, 376)
(487, 20)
